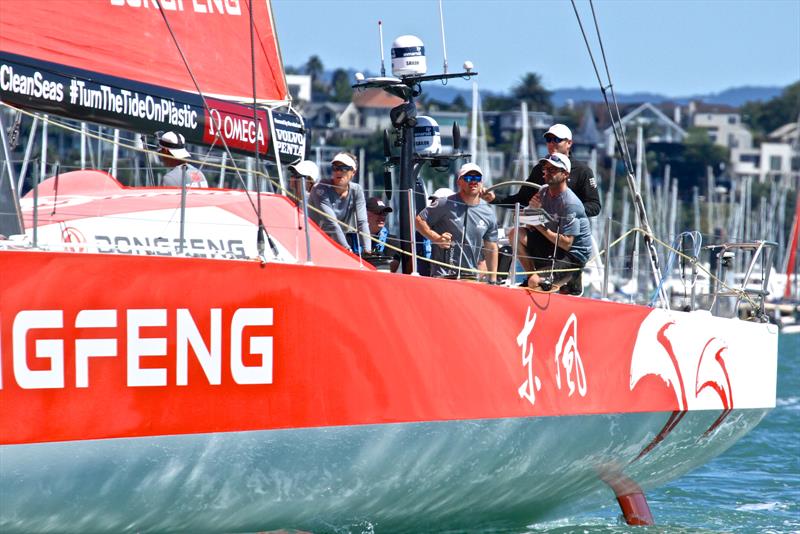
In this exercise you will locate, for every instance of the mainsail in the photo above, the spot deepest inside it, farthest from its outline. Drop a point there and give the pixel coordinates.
(143, 65)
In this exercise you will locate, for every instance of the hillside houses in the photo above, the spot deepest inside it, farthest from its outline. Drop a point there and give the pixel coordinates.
(663, 125)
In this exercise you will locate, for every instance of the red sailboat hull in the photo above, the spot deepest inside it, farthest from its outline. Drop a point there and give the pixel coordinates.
(352, 387)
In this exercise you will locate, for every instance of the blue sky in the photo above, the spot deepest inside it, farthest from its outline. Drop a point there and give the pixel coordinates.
(672, 47)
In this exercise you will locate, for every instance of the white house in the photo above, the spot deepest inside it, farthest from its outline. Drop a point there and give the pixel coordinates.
(299, 87)
(724, 129)
(658, 126)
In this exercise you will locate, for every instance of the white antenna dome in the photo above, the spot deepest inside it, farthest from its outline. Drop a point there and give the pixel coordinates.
(408, 56)
(427, 140)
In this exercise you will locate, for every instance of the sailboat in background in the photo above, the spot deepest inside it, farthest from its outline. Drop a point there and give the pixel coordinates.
(477, 137)
(786, 310)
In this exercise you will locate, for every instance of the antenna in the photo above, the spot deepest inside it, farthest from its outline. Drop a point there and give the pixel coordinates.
(380, 37)
(444, 45)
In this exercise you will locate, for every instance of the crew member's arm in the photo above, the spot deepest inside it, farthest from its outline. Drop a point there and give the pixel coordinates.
(587, 192)
(523, 196)
(490, 248)
(442, 240)
(564, 241)
(490, 254)
(361, 220)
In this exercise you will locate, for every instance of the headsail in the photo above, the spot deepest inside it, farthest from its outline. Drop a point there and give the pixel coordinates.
(121, 62)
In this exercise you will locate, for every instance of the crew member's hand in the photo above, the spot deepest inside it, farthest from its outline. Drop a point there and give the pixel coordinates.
(444, 240)
(536, 201)
(488, 196)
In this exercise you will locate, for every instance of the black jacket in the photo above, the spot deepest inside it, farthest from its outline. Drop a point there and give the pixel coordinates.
(581, 180)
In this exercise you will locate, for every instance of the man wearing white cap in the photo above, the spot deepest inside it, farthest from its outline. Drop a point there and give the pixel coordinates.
(568, 235)
(302, 175)
(462, 228)
(172, 150)
(581, 181)
(342, 202)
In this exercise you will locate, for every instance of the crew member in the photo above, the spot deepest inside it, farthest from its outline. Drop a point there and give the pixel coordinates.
(376, 216)
(568, 235)
(581, 181)
(302, 175)
(342, 203)
(173, 153)
(458, 225)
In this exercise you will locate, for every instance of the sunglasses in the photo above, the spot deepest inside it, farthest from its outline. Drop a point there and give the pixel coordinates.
(556, 165)
(553, 139)
(472, 177)
(342, 168)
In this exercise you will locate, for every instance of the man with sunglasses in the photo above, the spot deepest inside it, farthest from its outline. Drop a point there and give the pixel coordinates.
(568, 235)
(341, 202)
(581, 181)
(462, 228)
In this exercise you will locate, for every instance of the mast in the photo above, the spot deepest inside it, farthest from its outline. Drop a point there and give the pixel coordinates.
(408, 67)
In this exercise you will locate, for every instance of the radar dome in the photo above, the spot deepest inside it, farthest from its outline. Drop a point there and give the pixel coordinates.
(427, 140)
(408, 56)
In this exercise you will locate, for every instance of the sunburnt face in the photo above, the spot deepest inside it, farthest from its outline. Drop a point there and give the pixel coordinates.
(341, 174)
(376, 221)
(554, 175)
(556, 144)
(470, 183)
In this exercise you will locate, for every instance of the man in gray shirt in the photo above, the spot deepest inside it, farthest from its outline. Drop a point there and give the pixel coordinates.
(569, 231)
(462, 227)
(342, 203)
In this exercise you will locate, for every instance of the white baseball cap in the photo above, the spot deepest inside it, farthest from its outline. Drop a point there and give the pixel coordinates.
(442, 192)
(341, 157)
(559, 130)
(557, 159)
(175, 144)
(469, 167)
(306, 168)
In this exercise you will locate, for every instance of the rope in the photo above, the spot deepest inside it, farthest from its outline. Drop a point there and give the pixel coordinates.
(739, 292)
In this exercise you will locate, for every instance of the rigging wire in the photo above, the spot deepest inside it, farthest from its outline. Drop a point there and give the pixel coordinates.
(205, 103)
(262, 230)
(608, 76)
(616, 121)
(619, 133)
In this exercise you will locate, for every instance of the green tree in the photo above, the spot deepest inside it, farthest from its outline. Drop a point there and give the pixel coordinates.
(499, 102)
(314, 67)
(571, 116)
(531, 90)
(701, 153)
(764, 117)
(341, 90)
(459, 104)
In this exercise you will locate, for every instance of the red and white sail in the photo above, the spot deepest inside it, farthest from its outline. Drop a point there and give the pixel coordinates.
(143, 66)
